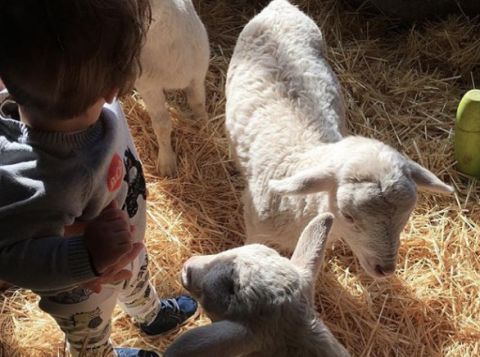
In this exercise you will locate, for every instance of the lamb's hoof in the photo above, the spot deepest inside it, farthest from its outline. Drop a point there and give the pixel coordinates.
(167, 166)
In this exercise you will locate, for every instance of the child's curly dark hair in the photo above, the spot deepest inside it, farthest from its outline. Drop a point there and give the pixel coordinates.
(59, 57)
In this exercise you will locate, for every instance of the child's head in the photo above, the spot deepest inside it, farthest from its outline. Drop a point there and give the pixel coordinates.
(58, 57)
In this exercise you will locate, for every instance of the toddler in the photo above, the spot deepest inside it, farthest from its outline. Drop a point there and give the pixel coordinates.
(72, 190)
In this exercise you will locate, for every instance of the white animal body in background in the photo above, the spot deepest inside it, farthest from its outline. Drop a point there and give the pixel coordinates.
(261, 303)
(175, 56)
(285, 120)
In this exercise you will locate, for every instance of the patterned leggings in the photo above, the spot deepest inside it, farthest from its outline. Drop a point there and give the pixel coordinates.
(85, 317)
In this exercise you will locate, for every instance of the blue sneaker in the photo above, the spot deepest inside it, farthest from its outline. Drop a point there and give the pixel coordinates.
(173, 313)
(134, 352)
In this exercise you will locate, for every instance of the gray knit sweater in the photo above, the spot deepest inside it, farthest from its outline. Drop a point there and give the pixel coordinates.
(49, 180)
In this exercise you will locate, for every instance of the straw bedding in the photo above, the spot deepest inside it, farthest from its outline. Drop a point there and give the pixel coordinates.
(402, 84)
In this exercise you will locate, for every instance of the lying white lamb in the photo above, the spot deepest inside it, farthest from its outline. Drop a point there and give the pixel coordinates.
(175, 56)
(285, 120)
(261, 304)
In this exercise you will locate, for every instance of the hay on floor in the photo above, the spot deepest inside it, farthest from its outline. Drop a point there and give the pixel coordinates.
(401, 85)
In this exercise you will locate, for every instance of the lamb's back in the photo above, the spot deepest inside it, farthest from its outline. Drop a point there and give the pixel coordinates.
(176, 46)
(281, 93)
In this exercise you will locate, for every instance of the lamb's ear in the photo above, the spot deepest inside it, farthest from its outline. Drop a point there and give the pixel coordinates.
(311, 246)
(426, 180)
(222, 338)
(305, 182)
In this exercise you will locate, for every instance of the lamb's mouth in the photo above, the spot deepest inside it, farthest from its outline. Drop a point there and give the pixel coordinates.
(373, 269)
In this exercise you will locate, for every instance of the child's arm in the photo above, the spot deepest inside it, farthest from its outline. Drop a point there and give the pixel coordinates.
(46, 264)
(57, 263)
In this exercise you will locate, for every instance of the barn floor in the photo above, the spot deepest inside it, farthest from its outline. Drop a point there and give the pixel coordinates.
(401, 85)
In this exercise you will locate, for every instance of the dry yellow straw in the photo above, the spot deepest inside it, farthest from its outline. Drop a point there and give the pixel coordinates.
(401, 86)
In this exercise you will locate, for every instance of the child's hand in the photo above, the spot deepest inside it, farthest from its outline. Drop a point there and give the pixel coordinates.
(108, 237)
(115, 273)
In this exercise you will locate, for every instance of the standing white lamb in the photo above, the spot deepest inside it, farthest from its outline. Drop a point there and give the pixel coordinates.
(285, 120)
(261, 304)
(175, 56)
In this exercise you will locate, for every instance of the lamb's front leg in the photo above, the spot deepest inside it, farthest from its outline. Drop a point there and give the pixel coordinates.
(154, 99)
(265, 232)
(251, 237)
(248, 218)
(252, 233)
(196, 98)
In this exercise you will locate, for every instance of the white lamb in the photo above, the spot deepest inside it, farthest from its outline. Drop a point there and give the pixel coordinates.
(285, 120)
(261, 304)
(175, 56)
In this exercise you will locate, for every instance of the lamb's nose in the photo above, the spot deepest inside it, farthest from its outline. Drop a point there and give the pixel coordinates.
(385, 270)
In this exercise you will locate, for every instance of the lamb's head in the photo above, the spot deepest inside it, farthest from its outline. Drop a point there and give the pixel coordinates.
(241, 282)
(372, 192)
(254, 281)
(249, 291)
